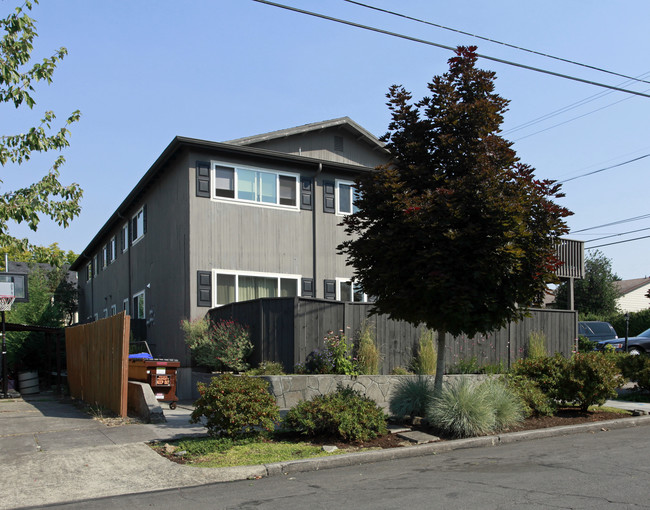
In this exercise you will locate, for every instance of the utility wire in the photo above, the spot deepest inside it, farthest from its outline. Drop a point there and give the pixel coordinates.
(617, 235)
(443, 46)
(493, 40)
(626, 220)
(603, 169)
(617, 242)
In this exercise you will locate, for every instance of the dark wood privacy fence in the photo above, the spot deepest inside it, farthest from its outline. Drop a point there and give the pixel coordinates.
(97, 358)
(288, 329)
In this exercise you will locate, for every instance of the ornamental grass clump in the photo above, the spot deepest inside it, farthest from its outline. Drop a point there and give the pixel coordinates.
(426, 358)
(507, 406)
(368, 356)
(235, 405)
(411, 396)
(461, 410)
(345, 414)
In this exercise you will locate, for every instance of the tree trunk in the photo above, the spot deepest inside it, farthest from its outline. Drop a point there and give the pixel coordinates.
(440, 363)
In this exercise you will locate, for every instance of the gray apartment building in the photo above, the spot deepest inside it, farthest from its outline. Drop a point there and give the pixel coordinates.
(213, 223)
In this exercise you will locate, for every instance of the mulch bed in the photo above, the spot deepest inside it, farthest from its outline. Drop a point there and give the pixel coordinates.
(564, 416)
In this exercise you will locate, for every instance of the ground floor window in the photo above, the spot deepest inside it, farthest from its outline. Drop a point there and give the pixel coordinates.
(233, 286)
(350, 291)
(138, 305)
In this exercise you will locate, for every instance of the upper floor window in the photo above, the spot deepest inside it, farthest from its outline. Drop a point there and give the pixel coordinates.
(139, 310)
(112, 249)
(138, 225)
(252, 185)
(105, 256)
(124, 237)
(346, 195)
(95, 265)
(89, 271)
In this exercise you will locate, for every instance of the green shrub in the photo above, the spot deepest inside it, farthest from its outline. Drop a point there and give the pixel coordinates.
(345, 414)
(333, 359)
(426, 358)
(461, 410)
(534, 401)
(267, 368)
(368, 356)
(589, 379)
(411, 396)
(493, 368)
(635, 369)
(224, 345)
(235, 405)
(546, 371)
(585, 345)
(536, 345)
(465, 366)
(507, 406)
(400, 371)
(198, 340)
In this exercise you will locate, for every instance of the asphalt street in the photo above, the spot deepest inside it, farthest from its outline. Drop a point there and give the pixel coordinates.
(607, 469)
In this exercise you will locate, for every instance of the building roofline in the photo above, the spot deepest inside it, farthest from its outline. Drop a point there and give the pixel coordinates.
(343, 122)
(179, 143)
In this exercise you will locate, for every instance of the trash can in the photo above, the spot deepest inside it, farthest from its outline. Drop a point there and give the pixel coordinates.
(160, 374)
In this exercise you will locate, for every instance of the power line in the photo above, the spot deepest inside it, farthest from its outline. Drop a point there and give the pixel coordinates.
(494, 41)
(617, 242)
(617, 235)
(603, 169)
(626, 220)
(443, 46)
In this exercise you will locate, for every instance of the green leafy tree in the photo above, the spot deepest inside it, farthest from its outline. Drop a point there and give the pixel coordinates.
(596, 293)
(47, 197)
(455, 232)
(51, 254)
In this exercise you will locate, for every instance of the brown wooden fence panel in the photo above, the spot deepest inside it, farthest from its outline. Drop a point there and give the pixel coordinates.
(97, 359)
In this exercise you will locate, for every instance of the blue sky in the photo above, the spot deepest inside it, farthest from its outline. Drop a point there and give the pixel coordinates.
(142, 72)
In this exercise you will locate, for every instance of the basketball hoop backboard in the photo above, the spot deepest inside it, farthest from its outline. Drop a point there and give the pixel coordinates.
(19, 282)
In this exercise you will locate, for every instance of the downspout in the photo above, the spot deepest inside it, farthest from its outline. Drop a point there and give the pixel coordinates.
(313, 226)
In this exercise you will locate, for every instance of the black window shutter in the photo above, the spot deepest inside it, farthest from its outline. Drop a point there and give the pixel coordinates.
(306, 194)
(144, 219)
(329, 288)
(204, 288)
(308, 288)
(203, 179)
(329, 205)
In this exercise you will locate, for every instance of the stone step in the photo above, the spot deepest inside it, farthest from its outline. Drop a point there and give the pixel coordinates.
(417, 437)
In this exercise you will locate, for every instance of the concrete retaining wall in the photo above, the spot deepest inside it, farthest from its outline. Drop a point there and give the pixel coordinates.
(288, 390)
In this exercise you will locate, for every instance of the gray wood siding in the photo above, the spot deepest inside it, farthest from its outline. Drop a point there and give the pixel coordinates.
(321, 146)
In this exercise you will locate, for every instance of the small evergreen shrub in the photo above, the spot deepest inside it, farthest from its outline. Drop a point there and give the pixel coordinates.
(425, 360)
(234, 405)
(536, 345)
(333, 359)
(198, 340)
(461, 410)
(368, 356)
(585, 345)
(506, 404)
(267, 368)
(634, 369)
(534, 401)
(589, 379)
(545, 371)
(411, 396)
(345, 414)
(493, 368)
(465, 366)
(400, 371)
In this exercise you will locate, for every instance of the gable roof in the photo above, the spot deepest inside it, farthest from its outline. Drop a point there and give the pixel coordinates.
(627, 286)
(342, 122)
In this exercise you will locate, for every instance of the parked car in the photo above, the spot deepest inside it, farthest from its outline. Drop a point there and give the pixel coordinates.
(597, 331)
(635, 345)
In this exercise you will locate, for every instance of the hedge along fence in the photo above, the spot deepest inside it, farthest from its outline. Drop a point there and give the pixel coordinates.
(286, 330)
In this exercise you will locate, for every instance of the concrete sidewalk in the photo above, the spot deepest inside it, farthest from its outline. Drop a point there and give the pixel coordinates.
(52, 452)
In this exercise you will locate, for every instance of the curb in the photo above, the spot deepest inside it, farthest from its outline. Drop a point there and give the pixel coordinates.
(355, 459)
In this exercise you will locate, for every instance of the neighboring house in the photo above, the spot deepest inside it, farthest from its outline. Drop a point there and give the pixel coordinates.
(633, 294)
(213, 223)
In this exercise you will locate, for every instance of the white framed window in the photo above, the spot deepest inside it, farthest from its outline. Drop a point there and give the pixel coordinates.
(255, 186)
(89, 271)
(125, 306)
(124, 237)
(105, 256)
(137, 226)
(113, 310)
(346, 290)
(112, 249)
(233, 286)
(139, 310)
(346, 195)
(96, 265)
